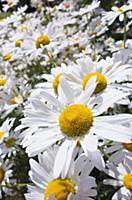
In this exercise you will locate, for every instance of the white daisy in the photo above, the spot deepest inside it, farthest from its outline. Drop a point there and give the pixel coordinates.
(122, 177)
(52, 81)
(79, 74)
(14, 94)
(8, 146)
(118, 151)
(9, 4)
(106, 71)
(5, 129)
(5, 174)
(110, 17)
(72, 120)
(76, 184)
(41, 39)
(88, 9)
(96, 28)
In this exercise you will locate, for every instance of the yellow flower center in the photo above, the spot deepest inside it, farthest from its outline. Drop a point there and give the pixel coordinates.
(18, 43)
(128, 146)
(59, 188)
(75, 120)
(1, 134)
(127, 180)
(121, 46)
(10, 3)
(24, 28)
(101, 81)
(10, 142)
(67, 5)
(56, 82)
(120, 9)
(7, 57)
(76, 39)
(2, 82)
(42, 40)
(13, 100)
(2, 174)
(66, 32)
(108, 68)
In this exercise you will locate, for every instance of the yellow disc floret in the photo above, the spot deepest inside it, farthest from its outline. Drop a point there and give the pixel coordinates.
(42, 40)
(67, 5)
(10, 142)
(56, 82)
(18, 43)
(120, 9)
(59, 188)
(75, 120)
(128, 146)
(13, 100)
(1, 134)
(7, 57)
(2, 82)
(101, 81)
(10, 3)
(2, 174)
(127, 180)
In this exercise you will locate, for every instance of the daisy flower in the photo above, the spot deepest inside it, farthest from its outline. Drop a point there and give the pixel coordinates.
(122, 177)
(41, 39)
(76, 184)
(15, 93)
(52, 81)
(88, 9)
(5, 129)
(96, 28)
(79, 74)
(111, 16)
(72, 120)
(119, 151)
(106, 71)
(5, 174)
(9, 4)
(8, 146)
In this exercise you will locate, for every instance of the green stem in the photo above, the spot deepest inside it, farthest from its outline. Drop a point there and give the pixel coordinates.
(125, 33)
(51, 58)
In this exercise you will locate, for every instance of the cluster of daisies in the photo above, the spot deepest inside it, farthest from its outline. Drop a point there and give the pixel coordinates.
(65, 100)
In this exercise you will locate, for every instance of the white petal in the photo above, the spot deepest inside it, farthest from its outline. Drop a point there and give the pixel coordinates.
(119, 118)
(113, 132)
(67, 90)
(61, 158)
(52, 100)
(108, 99)
(91, 85)
(97, 159)
(112, 182)
(89, 143)
(69, 159)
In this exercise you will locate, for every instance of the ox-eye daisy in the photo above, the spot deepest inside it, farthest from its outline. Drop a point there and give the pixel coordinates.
(75, 185)
(5, 129)
(8, 146)
(78, 74)
(106, 71)
(72, 120)
(52, 81)
(122, 177)
(5, 174)
(119, 151)
(110, 17)
(41, 39)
